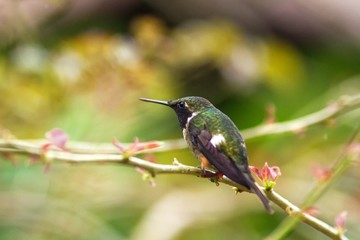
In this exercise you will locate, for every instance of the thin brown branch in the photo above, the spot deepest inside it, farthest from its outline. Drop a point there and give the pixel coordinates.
(296, 213)
(342, 105)
(155, 169)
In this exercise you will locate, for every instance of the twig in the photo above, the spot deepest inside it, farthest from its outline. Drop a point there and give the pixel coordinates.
(176, 168)
(29, 148)
(340, 106)
(296, 213)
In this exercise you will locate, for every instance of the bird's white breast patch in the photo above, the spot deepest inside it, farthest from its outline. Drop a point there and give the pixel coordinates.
(217, 139)
(191, 117)
(187, 123)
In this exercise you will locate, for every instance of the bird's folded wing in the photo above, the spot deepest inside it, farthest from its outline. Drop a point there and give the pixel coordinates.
(218, 159)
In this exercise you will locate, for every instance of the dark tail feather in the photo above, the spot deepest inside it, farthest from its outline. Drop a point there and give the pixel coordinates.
(259, 193)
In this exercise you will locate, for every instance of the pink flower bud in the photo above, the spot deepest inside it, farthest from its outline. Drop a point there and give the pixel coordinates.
(57, 137)
(268, 175)
(340, 221)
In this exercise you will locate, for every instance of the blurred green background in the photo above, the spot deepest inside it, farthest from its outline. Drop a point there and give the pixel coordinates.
(82, 65)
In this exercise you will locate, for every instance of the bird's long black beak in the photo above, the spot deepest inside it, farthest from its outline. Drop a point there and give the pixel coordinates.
(154, 101)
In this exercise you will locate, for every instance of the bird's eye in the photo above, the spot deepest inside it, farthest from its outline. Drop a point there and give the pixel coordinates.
(181, 104)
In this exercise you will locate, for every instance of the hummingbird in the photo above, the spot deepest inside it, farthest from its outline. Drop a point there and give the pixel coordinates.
(215, 140)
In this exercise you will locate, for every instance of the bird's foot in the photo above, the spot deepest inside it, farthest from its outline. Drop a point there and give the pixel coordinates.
(216, 177)
(212, 176)
(207, 174)
(219, 175)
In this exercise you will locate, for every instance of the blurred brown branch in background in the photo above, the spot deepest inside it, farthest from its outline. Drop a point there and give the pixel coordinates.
(341, 106)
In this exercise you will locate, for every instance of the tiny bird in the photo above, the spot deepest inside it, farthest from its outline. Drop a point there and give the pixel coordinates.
(214, 140)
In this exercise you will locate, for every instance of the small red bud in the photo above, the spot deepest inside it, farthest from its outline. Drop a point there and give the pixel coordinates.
(340, 221)
(57, 138)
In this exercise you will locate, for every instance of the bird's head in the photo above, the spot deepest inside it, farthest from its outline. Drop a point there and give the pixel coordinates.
(185, 108)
